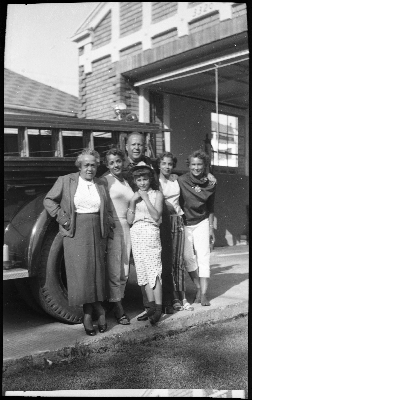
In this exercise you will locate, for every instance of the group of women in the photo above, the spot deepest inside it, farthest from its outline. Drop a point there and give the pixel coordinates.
(103, 219)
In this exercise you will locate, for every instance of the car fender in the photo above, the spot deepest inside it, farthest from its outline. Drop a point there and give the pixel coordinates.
(25, 233)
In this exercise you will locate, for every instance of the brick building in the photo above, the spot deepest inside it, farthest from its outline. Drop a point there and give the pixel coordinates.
(186, 66)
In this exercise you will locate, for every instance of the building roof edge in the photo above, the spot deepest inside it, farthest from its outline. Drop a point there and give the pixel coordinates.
(85, 25)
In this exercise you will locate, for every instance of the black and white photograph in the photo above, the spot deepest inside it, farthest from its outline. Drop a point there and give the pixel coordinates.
(202, 200)
(127, 199)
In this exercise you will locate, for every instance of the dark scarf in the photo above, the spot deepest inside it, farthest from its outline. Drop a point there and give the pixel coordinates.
(202, 182)
(204, 189)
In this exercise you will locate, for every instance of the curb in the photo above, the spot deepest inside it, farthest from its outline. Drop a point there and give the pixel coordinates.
(168, 327)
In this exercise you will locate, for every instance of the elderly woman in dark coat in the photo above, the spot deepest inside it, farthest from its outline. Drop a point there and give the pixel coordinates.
(82, 208)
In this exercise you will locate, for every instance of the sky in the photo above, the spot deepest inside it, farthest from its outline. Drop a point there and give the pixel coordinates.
(38, 42)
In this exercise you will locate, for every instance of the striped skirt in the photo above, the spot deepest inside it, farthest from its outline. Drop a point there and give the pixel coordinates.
(178, 241)
(173, 239)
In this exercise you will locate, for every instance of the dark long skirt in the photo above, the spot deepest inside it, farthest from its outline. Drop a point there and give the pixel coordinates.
(85, 261)
(178, 241)
(172, 239)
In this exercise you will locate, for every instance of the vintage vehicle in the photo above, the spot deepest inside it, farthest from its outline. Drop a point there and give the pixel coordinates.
(37, 150)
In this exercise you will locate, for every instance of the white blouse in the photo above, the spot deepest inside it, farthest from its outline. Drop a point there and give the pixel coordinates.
(142, 212)
(87, 198)
(171, 192)
(120, 193)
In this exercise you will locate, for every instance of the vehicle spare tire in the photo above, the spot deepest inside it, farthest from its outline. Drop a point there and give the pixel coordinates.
(50, 286)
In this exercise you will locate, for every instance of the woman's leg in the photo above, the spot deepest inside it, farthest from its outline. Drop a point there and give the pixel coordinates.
(204, 288)
(100, 312)
(118, 309)
(201, 241)
(194, 275)
(150, 300)
(157, 290)
(87, 316)
(190, 261)
(157, 293)
(149, 292)
(118, 253)
(185, 304)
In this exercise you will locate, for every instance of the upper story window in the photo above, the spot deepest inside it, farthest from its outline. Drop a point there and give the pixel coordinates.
(225, 140)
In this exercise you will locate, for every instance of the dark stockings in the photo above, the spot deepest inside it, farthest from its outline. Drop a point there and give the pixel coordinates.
(118, 309)
(87, 316)
(101, 314)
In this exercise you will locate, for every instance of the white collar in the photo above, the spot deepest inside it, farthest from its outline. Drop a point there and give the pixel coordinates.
(89, 183)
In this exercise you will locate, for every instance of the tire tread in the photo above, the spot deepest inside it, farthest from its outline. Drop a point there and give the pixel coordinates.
(43, 293)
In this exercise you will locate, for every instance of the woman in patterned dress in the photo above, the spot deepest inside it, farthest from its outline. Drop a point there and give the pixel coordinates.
(144, 212)
(119, 248)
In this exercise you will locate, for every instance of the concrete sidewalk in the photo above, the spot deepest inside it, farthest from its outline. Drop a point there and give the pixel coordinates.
(30, 339)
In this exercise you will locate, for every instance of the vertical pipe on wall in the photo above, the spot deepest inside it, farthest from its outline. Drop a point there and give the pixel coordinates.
(167, 120)
(216, 109)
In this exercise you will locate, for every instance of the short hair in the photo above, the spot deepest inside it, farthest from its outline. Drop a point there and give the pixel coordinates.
(169, 155)
(114, 151)
(199, 154)
(87, 152)
(137, 134)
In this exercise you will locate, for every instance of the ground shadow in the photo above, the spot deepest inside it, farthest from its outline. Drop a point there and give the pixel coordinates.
(17, 314)
(222, 280)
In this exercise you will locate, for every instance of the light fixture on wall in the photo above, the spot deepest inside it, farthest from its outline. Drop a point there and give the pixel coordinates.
(123, 114)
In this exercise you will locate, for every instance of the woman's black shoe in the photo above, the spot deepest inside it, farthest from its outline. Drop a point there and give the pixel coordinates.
(124, 320)
(157, 315)
(102, 328)
(90, 332)
(143, 317)
(168, 310)
(155, 318)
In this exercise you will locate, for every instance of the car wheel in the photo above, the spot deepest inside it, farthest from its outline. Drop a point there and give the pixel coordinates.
(50, 286)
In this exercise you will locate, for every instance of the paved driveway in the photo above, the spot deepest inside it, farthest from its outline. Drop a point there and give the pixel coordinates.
(26, 332)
